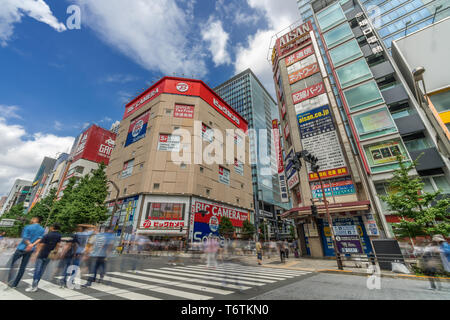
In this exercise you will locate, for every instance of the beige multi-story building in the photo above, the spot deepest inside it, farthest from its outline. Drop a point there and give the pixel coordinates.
(161, 163)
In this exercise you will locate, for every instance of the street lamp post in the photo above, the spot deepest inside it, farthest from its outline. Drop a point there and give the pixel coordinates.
(315, 168)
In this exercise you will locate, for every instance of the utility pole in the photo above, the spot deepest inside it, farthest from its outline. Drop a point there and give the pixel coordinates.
(312, 160)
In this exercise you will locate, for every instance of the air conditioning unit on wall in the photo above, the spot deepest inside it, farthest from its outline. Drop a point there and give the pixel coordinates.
(367, 31)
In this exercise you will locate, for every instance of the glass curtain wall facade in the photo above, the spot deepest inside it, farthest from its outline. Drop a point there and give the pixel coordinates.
(393, 19)
(246, 95)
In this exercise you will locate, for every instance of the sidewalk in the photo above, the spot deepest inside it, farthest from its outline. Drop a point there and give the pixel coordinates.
(326, 266)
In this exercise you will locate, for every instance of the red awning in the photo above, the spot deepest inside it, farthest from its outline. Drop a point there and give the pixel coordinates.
(332, 207)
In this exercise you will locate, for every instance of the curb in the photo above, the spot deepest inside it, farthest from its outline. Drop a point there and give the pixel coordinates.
(394, 276)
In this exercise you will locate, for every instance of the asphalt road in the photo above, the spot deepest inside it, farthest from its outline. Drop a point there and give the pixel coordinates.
(157, 278)
(325, 286)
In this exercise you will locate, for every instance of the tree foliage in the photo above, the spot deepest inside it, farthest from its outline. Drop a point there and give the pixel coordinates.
(17, 213)
(226, 228)
(421, 213)
(44, 208)
(248, 230)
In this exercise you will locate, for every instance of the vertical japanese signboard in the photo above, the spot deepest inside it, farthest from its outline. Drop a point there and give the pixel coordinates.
(318, 136)
(281, 175)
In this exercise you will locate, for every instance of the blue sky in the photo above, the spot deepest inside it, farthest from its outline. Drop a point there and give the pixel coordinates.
(54, 81)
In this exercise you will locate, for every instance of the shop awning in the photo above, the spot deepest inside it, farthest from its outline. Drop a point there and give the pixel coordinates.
(303, 212)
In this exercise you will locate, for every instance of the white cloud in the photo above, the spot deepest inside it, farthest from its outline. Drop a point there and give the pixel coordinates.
(218, 39)
(12, 11)
(57, 125)
(155, 34)
(20, 157)
(253, 54)
(9, 112)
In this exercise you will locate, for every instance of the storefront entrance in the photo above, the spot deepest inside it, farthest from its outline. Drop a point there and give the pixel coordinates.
(325, 233)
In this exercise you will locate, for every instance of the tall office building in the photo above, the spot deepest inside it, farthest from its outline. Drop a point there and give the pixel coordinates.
(39, 182)
(245, 94)
(392, 18)
(383, 115)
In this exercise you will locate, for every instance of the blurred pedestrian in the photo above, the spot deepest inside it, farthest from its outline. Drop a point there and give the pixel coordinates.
(281, 250)
(431, 262)
(211, 247)
(99, 247)
(2, 235)
(259, 251)
(31, 235)
(295, 246)
(444, 248)
(286, 248)
(49, 242)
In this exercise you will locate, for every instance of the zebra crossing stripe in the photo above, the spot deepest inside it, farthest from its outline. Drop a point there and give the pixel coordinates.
(268, 271)
(157, 273)
(175, 283)
(66, 294)
(245, 272)
(254, 280)
(202, 275)
(119, 292)
(165, 290)
(222, 275)
(12, 294)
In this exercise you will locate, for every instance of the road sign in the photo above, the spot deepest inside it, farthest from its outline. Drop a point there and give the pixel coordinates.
(7, 222)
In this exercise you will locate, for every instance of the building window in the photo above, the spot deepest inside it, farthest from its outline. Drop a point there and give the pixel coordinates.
(237, 200)
(156, 186)
(168, 111)
(165, 211)
(338, 35)
(125, 191)
(201, 169)
(353, 73)
(330, 17)
(374, 123)
(183, 165)
(363, 96)
(345, 53)
(416, 142)
(441, 101)
(208, 191)
(127, 168)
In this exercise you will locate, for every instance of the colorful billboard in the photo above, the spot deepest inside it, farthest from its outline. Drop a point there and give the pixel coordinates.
(384, 152)
(183, 111)
(137, 129)
(237, 216)
(303, 73)
(318, 136)
(281, 175)
(293, 39)
(299, 55)
(308, 93)
(333, 188)
(96, 144)
(168, 142)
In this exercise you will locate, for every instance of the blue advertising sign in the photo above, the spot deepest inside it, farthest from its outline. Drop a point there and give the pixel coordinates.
(315, 122)
(137, 129)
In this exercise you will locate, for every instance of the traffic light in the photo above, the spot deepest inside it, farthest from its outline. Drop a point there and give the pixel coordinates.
(315, 168)
(297, 164)
(314, 210)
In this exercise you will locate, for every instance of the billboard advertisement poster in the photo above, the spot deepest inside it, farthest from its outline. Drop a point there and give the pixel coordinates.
(237, 216)
(303, 73)
(183, 111)
(137, 129)
(127, 168)
(162, 224)
(281, 176)
(144, 98)
(371, 224)
(308, 93)
(355, 221)
(293, 39)
(318, 136)
(384, 152)
(238, 167)
(207, 133)
(348, 244)
(224, 175)
(95, 145)
(293, 180)
(168, 142)
(299, 55)
(333, 188)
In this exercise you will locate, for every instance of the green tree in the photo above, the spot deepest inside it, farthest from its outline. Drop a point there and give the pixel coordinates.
(292, 232)
(263, 227)
(226, 228)
(17, 213)
(44, 207)
(248, 230)
(421, 214)
(84, 203)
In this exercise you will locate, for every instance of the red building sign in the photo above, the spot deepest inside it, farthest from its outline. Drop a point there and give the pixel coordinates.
(308, 93)
(95, 144)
